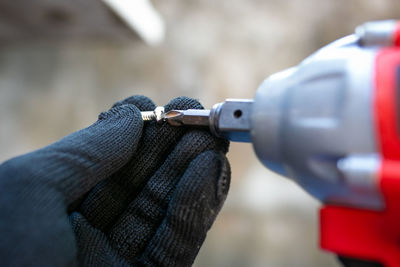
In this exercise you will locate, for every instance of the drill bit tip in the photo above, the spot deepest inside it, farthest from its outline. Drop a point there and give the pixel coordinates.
(174, 117)
(189, 117)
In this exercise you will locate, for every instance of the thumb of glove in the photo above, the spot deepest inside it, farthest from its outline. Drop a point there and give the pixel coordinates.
(36, 188)
(74, 164)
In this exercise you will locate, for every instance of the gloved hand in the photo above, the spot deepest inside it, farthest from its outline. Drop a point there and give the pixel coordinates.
(120, 192)
(350, 262)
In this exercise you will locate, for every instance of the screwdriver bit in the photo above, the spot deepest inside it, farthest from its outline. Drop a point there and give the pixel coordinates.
(229, 119)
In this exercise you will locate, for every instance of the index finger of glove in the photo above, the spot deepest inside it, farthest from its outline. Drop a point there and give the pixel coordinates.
(157, 143)
(77, 162)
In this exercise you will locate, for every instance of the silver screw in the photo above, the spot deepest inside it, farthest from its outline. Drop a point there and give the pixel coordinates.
(148, 115)
(157, 114)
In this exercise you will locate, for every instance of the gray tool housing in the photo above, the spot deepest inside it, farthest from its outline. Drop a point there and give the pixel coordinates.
(314, 123)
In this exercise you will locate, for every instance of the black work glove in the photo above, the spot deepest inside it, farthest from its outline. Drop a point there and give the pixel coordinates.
(351, 262)
(120, 192)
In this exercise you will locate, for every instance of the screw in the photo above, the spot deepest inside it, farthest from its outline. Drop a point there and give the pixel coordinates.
(157, 114)
(148, 115)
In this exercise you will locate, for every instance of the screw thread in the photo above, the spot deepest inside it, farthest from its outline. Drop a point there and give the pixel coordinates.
(148, 115)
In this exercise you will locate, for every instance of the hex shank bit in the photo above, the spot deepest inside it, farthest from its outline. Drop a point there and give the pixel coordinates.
(229, 119)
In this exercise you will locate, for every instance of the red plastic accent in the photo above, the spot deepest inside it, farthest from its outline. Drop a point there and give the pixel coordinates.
(365, 234)
(396, 36)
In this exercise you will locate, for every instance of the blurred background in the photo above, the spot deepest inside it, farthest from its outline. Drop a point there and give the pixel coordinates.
(63, 62)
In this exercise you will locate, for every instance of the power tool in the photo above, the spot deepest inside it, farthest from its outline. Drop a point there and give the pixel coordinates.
(332, 124)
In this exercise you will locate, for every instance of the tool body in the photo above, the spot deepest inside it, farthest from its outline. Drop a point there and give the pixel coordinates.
(332, 124)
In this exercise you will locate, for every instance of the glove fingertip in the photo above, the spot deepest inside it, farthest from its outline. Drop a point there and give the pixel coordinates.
(182, 103)
(127, 119)
(121, 111)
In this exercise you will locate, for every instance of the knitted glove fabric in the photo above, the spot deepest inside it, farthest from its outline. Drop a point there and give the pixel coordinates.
(118, 193)
(350, 262)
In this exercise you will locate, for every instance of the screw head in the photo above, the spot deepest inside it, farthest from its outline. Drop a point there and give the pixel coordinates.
(159, 112)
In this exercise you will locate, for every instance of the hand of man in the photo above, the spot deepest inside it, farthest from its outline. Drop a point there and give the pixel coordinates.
(118, 193)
